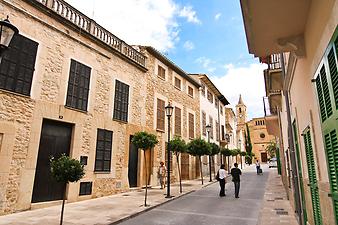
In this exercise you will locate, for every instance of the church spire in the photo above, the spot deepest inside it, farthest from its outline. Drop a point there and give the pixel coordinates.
(240, 101)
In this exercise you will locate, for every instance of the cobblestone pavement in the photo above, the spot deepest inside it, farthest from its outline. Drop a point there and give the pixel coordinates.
(276, 208)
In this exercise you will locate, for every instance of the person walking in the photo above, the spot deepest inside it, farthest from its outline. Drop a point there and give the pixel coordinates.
(235, 173)
(258, 167)
(161, 173)
(221, 180)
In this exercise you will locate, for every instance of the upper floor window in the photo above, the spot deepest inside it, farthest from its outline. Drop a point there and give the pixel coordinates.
(78, 86)
(221, 109)
(17, 65)
(203, 88)
(161, 72)
(204, 123)
(216, 103)
(190, 91)
(121, 101)
(217, 131)
(211, 123)
(160, 115)
(240, 110)
(103, 150)
(210, 96)
(177, 83)
(178, 121)
(191, 126)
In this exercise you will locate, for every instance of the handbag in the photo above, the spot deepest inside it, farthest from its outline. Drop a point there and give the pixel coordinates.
(217, 176)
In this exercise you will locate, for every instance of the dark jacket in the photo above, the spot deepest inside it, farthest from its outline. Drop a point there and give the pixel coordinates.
(235, 173)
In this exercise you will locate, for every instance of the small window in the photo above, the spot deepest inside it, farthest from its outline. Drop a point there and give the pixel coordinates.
(85, 188)
(203, 88)
(210, 97)
(161, 72)
(191, 126)
(190, 91)
(18, 64)
(121, 101)
(262, 135)
(211, 122)
(240, 110)
(216, 103)
(204, 123)
(221, 110)
(177, 83)
(217, 131)
(78, 86)
(177, 121)
(103, 150)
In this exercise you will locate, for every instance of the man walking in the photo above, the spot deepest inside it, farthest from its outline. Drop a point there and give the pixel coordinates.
(235, 173)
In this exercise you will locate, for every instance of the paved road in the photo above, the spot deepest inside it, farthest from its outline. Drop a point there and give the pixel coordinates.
(205, 207)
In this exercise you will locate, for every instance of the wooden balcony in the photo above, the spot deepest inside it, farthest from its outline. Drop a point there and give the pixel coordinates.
(66, 11)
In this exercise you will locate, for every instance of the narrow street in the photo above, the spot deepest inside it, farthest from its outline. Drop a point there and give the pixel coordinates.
(206, 207)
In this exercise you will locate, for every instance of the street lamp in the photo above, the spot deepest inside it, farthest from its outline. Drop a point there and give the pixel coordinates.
(208, 128)
(7, 31)
(168, 111)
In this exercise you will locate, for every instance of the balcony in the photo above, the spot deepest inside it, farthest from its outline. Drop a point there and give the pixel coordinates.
(63, 10)
(271, 117)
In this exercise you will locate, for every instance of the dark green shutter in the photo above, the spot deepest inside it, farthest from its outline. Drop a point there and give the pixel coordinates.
(332, 62)
(312, 178)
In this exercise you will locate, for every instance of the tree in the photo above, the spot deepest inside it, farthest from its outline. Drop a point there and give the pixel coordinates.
(235, 152)
(248, 145)
(249, 156)
(215, 149)
(64, 170)
(178, 145)
(227, 153)
(271, 149)
(145, 141)
(199, 147)
(242, 154)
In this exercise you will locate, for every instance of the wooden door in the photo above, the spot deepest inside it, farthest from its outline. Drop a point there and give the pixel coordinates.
(264, 156)
(55, 140)
(185, 166)
(132, 164)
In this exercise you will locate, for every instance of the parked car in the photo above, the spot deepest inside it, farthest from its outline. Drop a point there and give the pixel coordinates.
(272, 162)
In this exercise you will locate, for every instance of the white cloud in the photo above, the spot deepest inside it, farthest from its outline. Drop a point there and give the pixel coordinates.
(190, 14)
(206, 63)
(188, 45)
(249, 82)
(217, 16)
(145, 22)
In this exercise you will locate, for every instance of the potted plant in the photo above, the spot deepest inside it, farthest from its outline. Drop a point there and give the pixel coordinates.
(178, 146)
(145, 141)
(199, 147)
(65, 169)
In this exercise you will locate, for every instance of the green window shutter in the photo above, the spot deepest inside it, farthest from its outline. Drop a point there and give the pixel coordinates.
(321, 99)
(326, 92)
(312, 178)
(331, 145)
(332, 62)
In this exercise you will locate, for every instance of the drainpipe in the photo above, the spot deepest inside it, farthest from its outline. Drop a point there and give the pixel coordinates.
(295, 178)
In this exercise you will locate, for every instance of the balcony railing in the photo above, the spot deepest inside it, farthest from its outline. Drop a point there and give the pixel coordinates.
(274, 62)
(73, 15)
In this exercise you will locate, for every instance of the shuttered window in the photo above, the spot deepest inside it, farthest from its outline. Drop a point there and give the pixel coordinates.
(203, 88)
(178, 121)
(17, 65)
(103, 150)
(160, 115)
(121, 101)
(177, 83)
(211, 123)
(210, 97)
(190, 91)
(327, 89)
(312, 177)
(204, 123)
(217, 131)
(166, 157)
(161, 72)
(78, 86)
(191, 125)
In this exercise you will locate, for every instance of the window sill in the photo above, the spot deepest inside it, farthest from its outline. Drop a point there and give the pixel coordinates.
(120, 121)
(159, 130)
(15, 93)
(191, 96)
(75, 109)
(102, 172)
(161, 77)
(178, 88)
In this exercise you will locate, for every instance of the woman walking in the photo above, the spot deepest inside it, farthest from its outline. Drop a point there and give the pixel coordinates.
(221, 179)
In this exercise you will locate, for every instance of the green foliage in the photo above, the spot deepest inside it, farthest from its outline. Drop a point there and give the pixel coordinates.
(248, 144)
(215, 149)
(198, 147)
(235, 152)
(144, 140)
(271, 149)
(249, 156)
(178, 145)
(243, 153)
(66, 169)
(226, 152)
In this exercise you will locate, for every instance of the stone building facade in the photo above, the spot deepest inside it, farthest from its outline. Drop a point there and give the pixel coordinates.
(76, 89)
(166, 83)
(260, 139)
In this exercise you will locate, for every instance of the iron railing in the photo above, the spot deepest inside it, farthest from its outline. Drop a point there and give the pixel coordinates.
(73, 15)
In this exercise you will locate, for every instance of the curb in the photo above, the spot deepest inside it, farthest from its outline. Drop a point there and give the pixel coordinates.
(149, 208)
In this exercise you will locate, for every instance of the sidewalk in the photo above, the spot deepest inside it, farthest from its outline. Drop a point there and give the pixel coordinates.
(104, 210)
(276, 208)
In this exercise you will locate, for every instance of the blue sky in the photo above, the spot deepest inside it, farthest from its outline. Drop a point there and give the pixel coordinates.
(200, 36)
